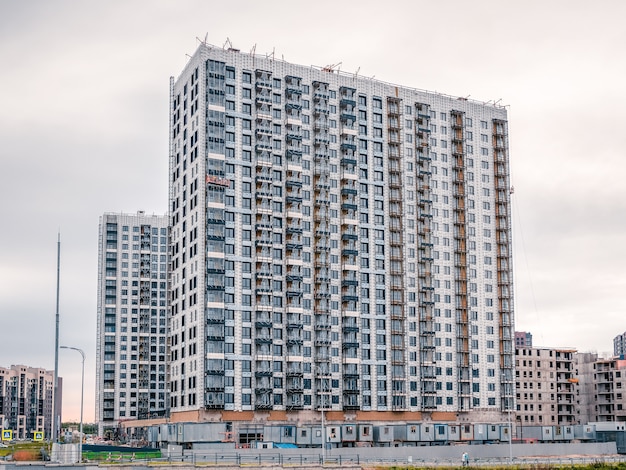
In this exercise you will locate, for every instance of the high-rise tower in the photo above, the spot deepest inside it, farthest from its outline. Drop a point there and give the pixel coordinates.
(338, 243)
(131, 351)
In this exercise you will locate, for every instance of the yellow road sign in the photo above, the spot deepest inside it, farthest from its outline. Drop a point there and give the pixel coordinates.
(7, 435)
(38, 436)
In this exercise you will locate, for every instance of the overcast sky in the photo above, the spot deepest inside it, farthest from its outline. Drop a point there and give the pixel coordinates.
(84, 90)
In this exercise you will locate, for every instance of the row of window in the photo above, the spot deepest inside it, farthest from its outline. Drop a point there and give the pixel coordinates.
(125, 247)
(377, 102)
(277, 400)
(112, 227)
(277, 350)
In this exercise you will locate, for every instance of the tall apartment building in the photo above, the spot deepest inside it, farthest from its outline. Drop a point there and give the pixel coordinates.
(547, 386)
(131, 350)
(619, 345)
(338, 243)
(26, 400)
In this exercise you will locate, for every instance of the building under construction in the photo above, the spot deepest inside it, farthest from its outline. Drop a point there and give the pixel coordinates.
(340, 246)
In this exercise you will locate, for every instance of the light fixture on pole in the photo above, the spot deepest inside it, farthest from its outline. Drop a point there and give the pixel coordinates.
(322, 408)
(323, 437)
(82, 394)
(507, 404)
(510, 436)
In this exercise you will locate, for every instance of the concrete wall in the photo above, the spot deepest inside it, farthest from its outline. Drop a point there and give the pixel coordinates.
(455, 451)
(483, 451)
(310, 458)
(425, 453)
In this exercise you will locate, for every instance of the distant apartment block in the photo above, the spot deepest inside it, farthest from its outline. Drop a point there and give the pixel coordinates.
(587, 389)
(338, 243)
(131, 351)
(546, 386)
(523, 339)
(602, 388)
(609, 378)
(26, 400)
(619, 345)
(562, 386)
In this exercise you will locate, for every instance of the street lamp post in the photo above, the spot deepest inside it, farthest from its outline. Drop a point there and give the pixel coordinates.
(82, 394)
(323, 437)
(507, 404)
(318, 369)
(510, 437)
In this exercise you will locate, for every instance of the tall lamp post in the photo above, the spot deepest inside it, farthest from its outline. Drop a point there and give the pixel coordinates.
(510, 436)
(318, 369)
(82, 394)
(508, 402)
(323, 436)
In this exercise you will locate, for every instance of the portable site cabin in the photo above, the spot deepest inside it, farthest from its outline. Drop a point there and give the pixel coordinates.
(348, 433)
(563, 433)
(316, 436)
(547, 433)
(505, 432)
(333, 434)
(480, 432)
(454, 432)
(304, 436)
(365, 432)
(441, 432)
(399, 433)
(427, 432)
(203, 432)
(585, 432)
(493, 432)
(383, 434)
(154, 435)
(411, 433)
(533, 433)
(285, 434)
(467, 432)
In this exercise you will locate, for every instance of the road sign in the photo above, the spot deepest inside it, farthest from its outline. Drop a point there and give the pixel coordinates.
(7, 435)
(37, 435)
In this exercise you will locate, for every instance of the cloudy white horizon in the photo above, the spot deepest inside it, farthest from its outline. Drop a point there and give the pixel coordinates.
(84, 130)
